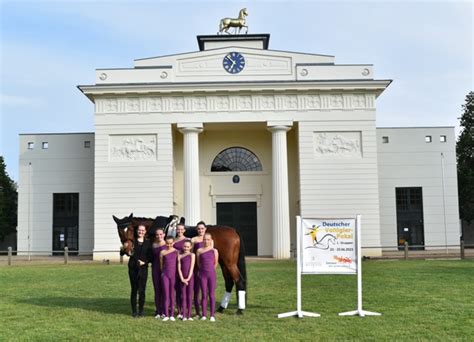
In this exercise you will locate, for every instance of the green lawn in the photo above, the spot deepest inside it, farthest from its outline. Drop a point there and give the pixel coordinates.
(420, 300)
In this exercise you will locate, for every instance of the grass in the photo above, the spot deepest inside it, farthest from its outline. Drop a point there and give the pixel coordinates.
(420, 300)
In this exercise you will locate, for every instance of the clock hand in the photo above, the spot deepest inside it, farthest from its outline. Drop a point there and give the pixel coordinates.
(230, 59)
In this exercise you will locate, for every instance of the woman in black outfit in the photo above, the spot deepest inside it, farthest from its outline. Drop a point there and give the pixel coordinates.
(138, 271)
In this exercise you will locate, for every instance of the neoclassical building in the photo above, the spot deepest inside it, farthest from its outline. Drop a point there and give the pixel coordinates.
(239, 134)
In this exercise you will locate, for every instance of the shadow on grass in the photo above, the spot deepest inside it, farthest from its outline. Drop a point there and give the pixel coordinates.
(103, 305)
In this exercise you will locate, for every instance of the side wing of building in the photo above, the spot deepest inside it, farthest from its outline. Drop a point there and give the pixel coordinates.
(418, 186)
(56, 193)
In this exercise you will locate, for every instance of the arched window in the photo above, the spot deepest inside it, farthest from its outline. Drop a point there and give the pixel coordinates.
(236, 159)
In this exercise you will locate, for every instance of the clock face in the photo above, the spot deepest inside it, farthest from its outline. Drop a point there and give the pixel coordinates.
(233, 62)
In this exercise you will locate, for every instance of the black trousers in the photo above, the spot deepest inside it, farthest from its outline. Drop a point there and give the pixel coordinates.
(138, 277)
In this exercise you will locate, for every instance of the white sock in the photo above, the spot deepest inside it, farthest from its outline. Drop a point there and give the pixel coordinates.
(225, 300)
(241, 295)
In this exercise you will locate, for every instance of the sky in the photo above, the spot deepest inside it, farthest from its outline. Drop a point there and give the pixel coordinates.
(47, 48)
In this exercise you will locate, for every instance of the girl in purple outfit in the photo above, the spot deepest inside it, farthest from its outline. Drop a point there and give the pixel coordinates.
(178, 245)
(198, 243)
(180, 238)
(168, 261)
(158, 245)
(207, 259)
(186, 262)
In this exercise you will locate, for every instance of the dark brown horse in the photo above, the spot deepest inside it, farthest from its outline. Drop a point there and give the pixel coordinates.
(227, 241)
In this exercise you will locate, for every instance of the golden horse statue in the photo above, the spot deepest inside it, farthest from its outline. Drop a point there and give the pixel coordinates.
(227, 23)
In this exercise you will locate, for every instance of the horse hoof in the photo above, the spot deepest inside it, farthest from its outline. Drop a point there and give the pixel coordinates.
(221, 309)
(239, 312)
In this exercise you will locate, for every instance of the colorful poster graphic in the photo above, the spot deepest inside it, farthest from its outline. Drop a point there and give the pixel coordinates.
(328, 246)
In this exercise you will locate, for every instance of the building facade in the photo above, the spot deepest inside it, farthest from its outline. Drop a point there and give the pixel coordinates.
(239, 134)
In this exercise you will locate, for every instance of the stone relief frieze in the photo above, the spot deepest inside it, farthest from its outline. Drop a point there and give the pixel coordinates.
(155, 104)
(267, 102)
(358, 101)
(132, 105)
(312, 101)
(132, 147)
(338, 144)
(177, 104)
(234, 103)
(336, 101)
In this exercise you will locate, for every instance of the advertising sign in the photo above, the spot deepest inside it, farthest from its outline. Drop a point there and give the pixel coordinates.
(328, 246)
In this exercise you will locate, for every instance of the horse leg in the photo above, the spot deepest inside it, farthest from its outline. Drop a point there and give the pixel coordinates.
(221, 27)
(229, 284)
(237, 279)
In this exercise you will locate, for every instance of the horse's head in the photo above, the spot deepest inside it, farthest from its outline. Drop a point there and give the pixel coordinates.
(126, 234)
(244, 12)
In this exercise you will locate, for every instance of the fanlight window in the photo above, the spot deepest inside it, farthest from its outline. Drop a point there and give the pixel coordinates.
(236, 159)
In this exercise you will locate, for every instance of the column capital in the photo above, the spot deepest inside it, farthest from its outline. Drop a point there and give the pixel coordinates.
(196, 127)
(275, 126)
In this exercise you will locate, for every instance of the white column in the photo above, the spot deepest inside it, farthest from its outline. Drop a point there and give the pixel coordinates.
(192, 208)
(280, 195)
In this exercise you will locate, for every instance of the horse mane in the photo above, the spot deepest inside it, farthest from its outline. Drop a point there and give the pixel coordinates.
(143, 218)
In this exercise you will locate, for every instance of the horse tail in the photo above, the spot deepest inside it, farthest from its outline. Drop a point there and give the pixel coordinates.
(241, 262)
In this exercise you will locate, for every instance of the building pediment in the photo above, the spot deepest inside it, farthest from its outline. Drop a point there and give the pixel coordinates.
(206, 69)
(208, 66)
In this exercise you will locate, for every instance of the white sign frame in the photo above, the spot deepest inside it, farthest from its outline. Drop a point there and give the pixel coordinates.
(359, 311)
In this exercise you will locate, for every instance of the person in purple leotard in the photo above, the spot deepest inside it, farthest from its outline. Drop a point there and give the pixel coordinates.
(180, 238)
(178, 245)
(168, 261)
(207, 259)
(157, 246)
(198, 243)
(186, 262)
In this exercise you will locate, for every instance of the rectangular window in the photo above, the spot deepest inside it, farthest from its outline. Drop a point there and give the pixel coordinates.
(65, 222)
(428, 138)
(31, 145)
(45, 145)
(410, 226)
(87, 144)
(442, 138)
(385, 140)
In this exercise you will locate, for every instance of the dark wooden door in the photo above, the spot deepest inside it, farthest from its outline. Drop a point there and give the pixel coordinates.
(243, 217)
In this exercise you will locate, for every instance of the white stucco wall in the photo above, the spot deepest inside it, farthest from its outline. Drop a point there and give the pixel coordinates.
(128, 180)
(64, 167)
(408, 161)
(336, 182)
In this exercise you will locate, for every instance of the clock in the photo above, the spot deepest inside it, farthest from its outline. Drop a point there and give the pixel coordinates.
(233, 62)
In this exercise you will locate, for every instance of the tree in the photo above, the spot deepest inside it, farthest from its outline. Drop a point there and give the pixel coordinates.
(465, 158)
(8, 202)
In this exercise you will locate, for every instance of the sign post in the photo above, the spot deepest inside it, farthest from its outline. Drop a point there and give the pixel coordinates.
(359, 312)
(299, 312)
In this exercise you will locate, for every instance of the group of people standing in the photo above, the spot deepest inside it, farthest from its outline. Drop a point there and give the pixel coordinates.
(183, 271)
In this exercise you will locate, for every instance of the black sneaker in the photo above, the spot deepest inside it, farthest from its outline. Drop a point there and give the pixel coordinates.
(134, 314)
(141, 314)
